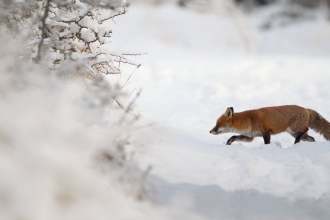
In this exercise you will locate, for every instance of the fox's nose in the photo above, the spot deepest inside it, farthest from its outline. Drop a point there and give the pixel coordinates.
(210, 131)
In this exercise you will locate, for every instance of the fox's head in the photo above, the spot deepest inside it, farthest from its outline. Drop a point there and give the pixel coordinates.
(224, 123)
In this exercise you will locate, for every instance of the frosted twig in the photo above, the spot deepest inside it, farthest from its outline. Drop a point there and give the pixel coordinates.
(129, 106)
(43, 29)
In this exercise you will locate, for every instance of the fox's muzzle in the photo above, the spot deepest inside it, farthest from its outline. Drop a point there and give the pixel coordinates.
(215, 132)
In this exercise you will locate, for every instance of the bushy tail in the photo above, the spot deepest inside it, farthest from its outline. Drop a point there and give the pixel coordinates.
(319, 124)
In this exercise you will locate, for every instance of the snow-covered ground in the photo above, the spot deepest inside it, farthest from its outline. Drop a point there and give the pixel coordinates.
(199, 64)
(64, 154)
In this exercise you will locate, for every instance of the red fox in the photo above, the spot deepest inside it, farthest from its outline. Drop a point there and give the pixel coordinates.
(264, 122)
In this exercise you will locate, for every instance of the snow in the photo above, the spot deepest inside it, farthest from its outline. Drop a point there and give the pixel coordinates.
(87, 35)
(89, 23)
(199, 64)
(53, 137)
(55, 130)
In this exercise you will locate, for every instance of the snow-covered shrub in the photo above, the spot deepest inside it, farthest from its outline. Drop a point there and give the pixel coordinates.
(67, 33)
(64, 31)
(61, 155)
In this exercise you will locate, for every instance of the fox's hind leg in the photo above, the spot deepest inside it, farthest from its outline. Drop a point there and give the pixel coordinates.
(301, 136)
(241, 138)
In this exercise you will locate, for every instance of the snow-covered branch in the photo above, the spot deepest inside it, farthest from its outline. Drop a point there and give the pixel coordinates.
(69, 31)
(77, 32)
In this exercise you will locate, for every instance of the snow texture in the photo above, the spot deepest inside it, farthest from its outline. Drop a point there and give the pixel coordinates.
(87, 35)
(200, 64)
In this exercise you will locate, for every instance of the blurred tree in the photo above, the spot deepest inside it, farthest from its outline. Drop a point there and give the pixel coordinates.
(307, 3)
(201, 5)
(304, 3)
(255, 2)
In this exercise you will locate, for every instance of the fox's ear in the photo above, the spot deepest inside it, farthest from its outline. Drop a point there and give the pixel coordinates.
(229, 112)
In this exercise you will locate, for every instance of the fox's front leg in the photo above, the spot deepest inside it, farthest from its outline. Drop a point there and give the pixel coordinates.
(241, 138)
(266, 137)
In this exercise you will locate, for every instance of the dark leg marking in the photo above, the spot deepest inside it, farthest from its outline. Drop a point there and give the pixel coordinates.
(239, 138)
(267, 137)
(301, 136)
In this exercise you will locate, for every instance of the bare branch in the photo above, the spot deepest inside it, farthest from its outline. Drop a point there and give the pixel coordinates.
(43, 29)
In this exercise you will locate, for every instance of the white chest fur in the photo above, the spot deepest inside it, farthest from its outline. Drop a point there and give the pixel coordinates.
(247, 132)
